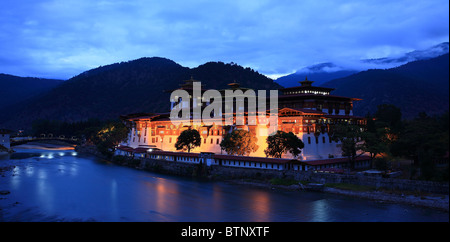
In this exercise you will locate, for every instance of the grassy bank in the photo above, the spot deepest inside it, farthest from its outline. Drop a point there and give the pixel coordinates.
(286, 182)
(350, 187)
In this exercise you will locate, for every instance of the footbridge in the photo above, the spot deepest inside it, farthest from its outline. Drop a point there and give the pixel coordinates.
(23, 140)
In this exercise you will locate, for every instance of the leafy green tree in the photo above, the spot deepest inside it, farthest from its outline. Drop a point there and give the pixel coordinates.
(389, 116)
(239, 142)
(188, 139)
(424, 140)
(283, 142)
(110, 136)
(382, 130)
(350, 137)
(375, 140)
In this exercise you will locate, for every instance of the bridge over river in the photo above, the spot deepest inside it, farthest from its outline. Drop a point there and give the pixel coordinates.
(23, 140)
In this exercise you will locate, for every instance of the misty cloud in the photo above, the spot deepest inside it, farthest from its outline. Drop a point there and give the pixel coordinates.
(60, 39)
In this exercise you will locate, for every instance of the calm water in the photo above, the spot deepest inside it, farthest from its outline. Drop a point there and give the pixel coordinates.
(62, 185)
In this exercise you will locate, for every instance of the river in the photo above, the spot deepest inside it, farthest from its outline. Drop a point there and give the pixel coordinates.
(55, 184)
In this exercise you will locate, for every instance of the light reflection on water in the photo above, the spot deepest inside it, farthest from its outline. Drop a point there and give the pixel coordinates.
(62, 185)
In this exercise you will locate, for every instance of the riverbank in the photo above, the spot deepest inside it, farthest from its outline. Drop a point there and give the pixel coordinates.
(243, 176)
(435, 201)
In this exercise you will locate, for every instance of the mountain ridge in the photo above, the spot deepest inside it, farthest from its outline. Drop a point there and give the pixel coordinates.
(139, 85)
(327, 71)
(408, 86)
(16, 89)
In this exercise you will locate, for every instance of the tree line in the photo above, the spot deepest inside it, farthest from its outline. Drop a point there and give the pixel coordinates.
(104, 134)
(385, 138)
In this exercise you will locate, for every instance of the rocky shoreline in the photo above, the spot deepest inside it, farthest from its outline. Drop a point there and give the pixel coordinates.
(434, 201)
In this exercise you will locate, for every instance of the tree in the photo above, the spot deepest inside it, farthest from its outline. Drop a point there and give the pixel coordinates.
(188, 140)
(110, 136)
(389, 117)
(375, 139)
(349, 135)
(239, 142)
(283, 142)
(424, 140)
(374, 143)
(382, 130)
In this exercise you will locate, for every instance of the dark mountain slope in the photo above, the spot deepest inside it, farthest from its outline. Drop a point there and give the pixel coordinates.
(420, 86)
(217, 75)
(14, 89)
(319, 77)
(123, 88)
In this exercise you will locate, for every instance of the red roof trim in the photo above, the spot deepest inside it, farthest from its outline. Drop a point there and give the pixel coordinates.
(251, 158)
(303, 110)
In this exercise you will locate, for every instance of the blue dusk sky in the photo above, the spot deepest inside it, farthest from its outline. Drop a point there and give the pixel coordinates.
(62, 38)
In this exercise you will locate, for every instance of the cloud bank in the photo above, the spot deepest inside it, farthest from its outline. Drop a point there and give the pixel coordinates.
(60, 39)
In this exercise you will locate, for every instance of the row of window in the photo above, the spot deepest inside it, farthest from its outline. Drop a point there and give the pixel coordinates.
(252, 164)
(212, 132)
(155, 140)
(317, 140)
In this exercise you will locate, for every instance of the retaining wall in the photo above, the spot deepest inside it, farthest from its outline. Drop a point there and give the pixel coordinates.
(223, 172)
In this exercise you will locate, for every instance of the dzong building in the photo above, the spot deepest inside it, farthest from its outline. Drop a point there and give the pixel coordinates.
(308, 111)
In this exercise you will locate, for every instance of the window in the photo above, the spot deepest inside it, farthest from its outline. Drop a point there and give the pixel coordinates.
(317, 140)
(170, 140)
(309, 140)
(217, 142)
(323, 139)
(204, 141)
(211, 141)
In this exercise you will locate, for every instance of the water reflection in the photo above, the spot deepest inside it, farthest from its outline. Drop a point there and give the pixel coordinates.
(258, 204)
(320, 211)
(82, 188)
(114, 198)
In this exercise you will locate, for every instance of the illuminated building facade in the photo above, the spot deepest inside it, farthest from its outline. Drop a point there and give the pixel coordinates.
(307, 111)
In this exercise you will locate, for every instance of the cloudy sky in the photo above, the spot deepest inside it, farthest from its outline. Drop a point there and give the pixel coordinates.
(62, 38)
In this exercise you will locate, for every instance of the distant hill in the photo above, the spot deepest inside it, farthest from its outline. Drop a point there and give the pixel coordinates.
(432, 52)
(324, 72)
(321, 73)
(419, 86)
(14, 89)
(128, 87)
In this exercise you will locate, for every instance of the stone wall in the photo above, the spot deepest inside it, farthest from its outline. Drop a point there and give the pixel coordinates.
(223, 173)
(174, 168)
